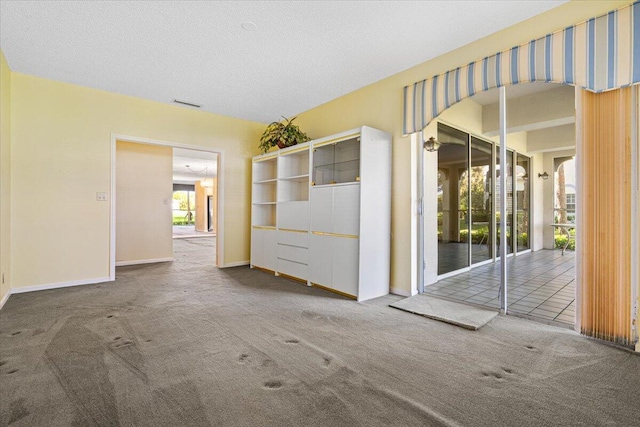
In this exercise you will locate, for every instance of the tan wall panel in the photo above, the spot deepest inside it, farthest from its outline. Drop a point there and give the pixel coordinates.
(201, 207)
(143, 202)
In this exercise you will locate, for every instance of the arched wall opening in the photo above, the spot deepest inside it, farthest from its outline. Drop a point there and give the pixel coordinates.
(601, 56)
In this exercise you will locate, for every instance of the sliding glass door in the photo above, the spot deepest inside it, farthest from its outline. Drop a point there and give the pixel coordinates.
(468, 209)
(523, 200)
(480, 200)
(453, 226)
(509, 209)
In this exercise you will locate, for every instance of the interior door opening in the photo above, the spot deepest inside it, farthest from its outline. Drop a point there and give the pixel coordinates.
(164, 200)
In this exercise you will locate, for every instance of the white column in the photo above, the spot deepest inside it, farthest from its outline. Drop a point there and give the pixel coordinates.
(503, 201)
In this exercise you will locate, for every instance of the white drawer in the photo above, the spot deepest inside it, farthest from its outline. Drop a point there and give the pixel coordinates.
(293, 238)
(293, 253)
(293, 269)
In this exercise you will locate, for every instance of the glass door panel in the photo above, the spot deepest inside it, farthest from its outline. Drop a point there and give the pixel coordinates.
(453, 198)
(523, 200)
(481, 206)
(509, 201)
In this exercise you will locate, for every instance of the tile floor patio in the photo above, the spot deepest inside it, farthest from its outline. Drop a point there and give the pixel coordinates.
(541, 285)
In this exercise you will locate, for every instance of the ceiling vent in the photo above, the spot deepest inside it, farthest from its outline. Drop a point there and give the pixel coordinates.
(190, 104)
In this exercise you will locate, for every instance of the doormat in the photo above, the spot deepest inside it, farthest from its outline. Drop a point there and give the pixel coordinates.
(455, 313)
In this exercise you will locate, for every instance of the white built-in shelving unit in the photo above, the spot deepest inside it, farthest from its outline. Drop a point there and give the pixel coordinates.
(321, 212)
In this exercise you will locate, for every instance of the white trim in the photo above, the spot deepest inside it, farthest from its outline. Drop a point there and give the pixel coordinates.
(417, 232)
(220, 216)
(112, 214)
(235, 264)
(453, 273)
(220, 174)
(523, 252)
(579, 210)
(402, 292)
(5, 299)
(60, 285)
(143, 261)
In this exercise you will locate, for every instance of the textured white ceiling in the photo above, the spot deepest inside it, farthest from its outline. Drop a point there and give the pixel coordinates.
(190, 166)
(300, 55)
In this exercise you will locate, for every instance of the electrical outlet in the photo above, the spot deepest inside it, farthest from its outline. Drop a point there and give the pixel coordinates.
(101, 197)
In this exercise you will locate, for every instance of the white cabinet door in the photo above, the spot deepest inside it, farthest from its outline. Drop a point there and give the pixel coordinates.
(263, 248)
(256, 247)
(293, 215)
(321, 209)
(269, 249)
(320, 260)
(346, 210)
(345, 268)
(293, 238)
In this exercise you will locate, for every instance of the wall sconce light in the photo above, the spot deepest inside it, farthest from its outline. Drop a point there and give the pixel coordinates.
(431, 144)
(543, 175)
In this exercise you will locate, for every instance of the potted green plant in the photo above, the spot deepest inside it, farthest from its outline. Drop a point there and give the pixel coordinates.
(283, 134)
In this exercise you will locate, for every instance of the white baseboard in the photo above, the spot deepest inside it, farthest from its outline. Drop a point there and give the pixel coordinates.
(401, 292)
(143, 261)
(235, 264)
(4, 300)
(60, 285)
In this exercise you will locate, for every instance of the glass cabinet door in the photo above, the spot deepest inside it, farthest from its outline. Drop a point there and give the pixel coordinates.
(337, 163)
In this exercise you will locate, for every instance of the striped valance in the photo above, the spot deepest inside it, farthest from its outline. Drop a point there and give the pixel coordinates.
(599, 54)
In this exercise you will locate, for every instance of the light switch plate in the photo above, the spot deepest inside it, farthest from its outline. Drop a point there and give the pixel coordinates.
(101, 197)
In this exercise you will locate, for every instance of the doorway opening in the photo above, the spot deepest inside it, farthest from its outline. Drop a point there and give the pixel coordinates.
(541, 276)
(142, 202)
(194, 202)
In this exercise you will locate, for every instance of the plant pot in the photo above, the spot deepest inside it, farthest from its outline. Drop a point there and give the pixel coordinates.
(281, 145)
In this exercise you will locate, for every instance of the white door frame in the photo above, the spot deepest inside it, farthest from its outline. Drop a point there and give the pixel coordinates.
(112, 194)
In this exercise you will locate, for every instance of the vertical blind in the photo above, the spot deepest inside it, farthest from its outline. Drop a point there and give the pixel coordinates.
(600, 54)
(604, 257)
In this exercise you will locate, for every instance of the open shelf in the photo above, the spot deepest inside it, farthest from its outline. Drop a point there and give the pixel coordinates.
(293, 190)
(264, 169)
(291, 165)
(297, 178)
(265, 181)
(263, 215)
(264, 192)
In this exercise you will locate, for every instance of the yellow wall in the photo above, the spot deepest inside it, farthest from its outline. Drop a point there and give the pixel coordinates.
(5, 178)
(380, 105)
(60, 142)
(61, 139)
(144, 190)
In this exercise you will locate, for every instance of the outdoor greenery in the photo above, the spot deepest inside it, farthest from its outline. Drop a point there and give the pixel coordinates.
(183, 204)
(561, 240)
(180, 217)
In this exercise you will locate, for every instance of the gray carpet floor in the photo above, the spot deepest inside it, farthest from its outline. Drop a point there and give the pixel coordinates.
(186, 344)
